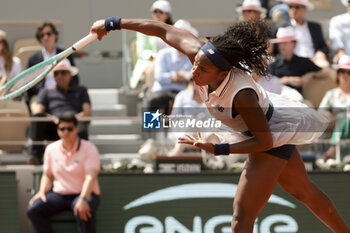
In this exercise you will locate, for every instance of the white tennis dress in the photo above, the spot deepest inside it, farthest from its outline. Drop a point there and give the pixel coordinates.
(291, 123)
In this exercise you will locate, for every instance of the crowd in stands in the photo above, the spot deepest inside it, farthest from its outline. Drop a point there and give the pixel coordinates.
(299, 53)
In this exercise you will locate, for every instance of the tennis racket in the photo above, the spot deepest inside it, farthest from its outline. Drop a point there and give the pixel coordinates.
(34, 74)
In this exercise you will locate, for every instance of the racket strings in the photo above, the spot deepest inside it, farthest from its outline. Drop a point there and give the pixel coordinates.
(29, 77)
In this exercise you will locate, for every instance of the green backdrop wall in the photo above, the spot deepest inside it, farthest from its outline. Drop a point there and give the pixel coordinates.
(203, 204)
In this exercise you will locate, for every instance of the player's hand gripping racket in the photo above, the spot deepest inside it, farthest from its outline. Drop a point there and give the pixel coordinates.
(34, 74)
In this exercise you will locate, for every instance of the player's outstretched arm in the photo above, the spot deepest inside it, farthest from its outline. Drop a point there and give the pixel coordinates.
(180, 39)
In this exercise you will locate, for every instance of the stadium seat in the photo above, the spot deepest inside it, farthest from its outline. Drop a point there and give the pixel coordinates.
(24, 52)
(317, 88)
(13, 130)
(24, 43)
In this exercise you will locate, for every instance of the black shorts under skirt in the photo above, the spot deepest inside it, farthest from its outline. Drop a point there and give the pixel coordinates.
(283, 152)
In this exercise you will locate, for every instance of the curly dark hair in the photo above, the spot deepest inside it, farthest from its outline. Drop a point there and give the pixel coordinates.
(244, 45)
(42, 26)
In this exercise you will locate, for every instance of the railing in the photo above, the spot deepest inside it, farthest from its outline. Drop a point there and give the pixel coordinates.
(46, 119)
(133, 119)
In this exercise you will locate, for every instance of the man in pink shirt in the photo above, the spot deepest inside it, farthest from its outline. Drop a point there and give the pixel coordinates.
(71, 166)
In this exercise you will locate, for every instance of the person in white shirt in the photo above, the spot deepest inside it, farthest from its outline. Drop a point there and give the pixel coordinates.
(339, 33)
(10, 66)
(47, 36)
(311, 43)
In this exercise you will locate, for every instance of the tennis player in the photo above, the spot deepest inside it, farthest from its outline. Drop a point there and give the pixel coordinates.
(269, 126)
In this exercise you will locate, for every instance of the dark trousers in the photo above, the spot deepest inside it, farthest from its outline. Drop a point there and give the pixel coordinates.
(47, 130)
(39, 212)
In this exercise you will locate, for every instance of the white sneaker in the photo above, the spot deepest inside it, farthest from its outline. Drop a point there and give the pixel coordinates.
(148, 149)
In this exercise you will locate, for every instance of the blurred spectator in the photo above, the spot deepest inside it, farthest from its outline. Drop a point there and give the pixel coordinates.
(335, 105)
(187, 103)
(270, 84)
(264, 3)
(339, 33)
(52, 102)
(71, 167)
(47, 35)
(251, 10)
(273, 84)
(311, 43)
(172, 71)
(294, 71)
(10, 66)
(279, 12)
(148, 46)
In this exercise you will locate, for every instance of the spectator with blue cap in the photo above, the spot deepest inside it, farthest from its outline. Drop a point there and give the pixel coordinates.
(279, 12)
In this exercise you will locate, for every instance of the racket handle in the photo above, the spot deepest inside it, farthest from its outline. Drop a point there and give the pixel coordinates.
(86, 40)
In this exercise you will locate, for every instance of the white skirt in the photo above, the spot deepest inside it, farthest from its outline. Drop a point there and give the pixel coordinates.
(292, 122)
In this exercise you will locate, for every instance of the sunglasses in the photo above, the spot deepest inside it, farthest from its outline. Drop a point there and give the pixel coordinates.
(296, 7)
(158, 11)
(60, 72)
(248, 11)
(344, 72)
(42, 35)
(69, 128)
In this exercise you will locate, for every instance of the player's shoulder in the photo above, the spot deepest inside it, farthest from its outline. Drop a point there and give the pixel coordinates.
(239, 74)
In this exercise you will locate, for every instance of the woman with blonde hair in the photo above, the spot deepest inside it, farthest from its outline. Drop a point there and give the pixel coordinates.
(10, 66)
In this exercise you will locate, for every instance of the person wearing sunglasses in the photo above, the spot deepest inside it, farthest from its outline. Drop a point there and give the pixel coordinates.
(71, 167)
(311, 43)
(293, 71)
(335, 105)
(47, 35)
(251, 10)
(147, 48)
(339, 33)
(52, 102)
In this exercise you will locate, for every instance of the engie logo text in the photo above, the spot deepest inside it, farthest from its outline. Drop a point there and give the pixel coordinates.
(178, 218)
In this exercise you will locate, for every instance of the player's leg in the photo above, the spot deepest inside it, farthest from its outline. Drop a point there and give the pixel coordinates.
(295, 181)
(256, 184)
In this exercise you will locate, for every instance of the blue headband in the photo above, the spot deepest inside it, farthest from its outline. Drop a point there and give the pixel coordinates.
(215, 57)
